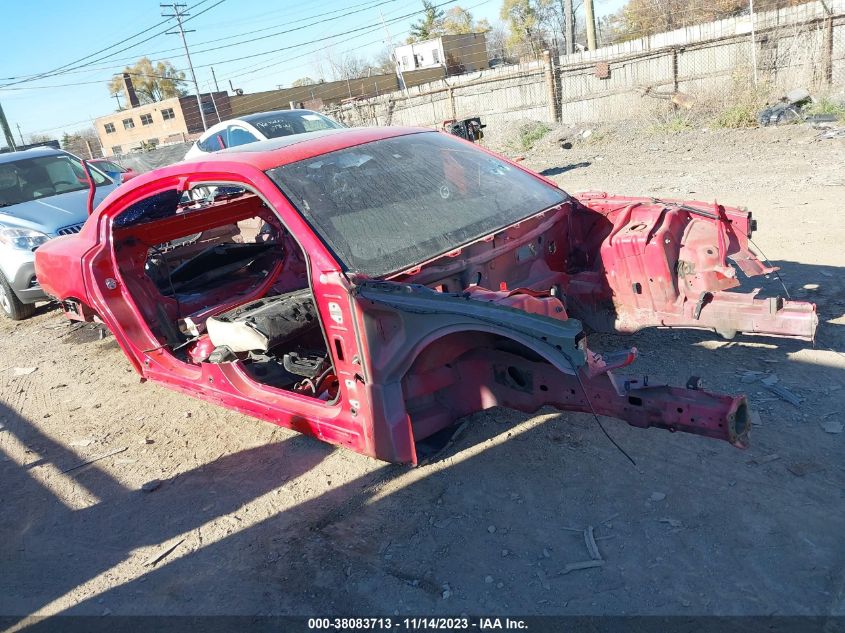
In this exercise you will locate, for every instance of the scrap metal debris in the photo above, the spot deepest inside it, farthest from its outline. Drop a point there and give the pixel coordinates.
(799, 469)
(590, 541)
(587, 564)
(837, 132)
(679, 99)
(149, 486)
(765, 459)
(95, 459)
(784, 394)
(770, 380)
(788, 109)
(155, 560)
(832, 426)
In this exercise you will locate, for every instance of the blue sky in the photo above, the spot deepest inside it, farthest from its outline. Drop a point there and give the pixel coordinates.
(41, 35)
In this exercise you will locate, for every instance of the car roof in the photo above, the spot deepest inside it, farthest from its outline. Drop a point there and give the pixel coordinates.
(264, 155)
(249, 119)
(278, 142)
(258, 116)
(33, 152)
(280, 151)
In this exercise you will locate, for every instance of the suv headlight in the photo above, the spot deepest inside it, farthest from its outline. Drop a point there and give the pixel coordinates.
(22, 239)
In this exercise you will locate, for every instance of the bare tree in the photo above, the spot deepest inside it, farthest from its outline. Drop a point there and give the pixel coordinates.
(384, 61)
(497, 42)
(79, 142)
(639, 18)
(348, 65)
(40, 138)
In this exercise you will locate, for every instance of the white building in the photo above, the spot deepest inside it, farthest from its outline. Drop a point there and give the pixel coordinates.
(457, 53)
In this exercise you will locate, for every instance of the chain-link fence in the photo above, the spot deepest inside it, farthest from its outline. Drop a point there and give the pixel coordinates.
(735, 65)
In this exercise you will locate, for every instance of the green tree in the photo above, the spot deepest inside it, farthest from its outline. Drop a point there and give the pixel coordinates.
(152, 82)
(525, 21)
(457, 21)
(428, 26)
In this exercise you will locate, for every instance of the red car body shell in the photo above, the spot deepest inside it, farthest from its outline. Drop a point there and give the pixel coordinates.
(372, 365)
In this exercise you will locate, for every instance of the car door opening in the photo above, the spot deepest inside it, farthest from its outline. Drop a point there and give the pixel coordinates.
(220, 280)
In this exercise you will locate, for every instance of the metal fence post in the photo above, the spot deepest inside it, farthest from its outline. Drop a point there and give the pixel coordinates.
(550, 86)
(753, 41)
(828, 47)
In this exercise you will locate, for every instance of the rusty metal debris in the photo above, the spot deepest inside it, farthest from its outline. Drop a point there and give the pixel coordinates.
(587, 564)
(155, 560)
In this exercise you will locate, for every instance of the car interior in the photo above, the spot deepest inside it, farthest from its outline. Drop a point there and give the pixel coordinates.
(220, 280)
(32, 178)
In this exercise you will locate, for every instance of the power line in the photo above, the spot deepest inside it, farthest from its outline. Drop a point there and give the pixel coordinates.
(64, 69)
(250, 70)
(360, 30)
(86, 69)
(367, 28)
(50, 73)
(298, 28)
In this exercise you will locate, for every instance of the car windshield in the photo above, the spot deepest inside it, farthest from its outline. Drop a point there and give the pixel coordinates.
(279, 124)
(30, 179)
(388, 205)
(107, 165)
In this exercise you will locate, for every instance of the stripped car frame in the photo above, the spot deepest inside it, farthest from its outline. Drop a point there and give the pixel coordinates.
(495, 320)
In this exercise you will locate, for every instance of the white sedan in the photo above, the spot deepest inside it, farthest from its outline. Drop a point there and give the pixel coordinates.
(258, 127)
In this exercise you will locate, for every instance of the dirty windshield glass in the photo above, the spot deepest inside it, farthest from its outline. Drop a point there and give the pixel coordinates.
(387, 205)
(279, 124)
(42, 177)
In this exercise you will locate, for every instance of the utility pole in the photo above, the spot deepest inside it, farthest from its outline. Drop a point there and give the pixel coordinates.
(397, 66)
(20, 134)
(116, 96)
(10, 140)
(179, 13)
(214, 103)
(569, 26)
(589, 16)
(213, 76)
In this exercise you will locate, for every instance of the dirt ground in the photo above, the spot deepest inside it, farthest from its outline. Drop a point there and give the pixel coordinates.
(253, 519)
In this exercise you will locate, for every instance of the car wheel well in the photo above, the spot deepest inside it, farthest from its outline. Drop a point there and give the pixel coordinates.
(438, 386)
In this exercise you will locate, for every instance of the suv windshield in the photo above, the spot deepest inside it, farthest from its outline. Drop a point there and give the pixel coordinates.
(279, 124)
(388, 205)
(43, 176)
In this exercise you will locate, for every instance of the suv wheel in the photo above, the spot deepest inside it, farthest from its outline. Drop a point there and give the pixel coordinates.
(10, 305)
